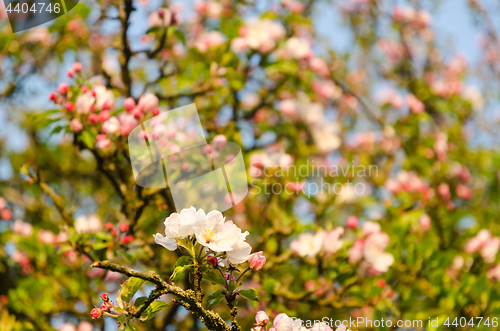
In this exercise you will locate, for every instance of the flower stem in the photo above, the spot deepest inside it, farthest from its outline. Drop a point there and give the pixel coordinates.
(241, 275)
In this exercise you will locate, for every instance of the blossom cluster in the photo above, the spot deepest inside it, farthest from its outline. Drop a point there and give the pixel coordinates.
(261, 35)
(485, 244)
(309, 245)
(272, 156)
(370, 250)
(409, 181)
(211, 231)
(389, 96)
(90, 104)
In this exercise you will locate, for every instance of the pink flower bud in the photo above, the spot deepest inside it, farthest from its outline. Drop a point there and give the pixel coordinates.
(93, 118)
(6, 214)
(109, 225)
(85, 88)
(352, 222)
(69, 106)
(148, 102)
(63, 88)
(213, 261)
(261, 318)
(444, 191)
(105, 306)
(104, 116)
(156, 111)
(96, 313)
(107, 105)
(76, 125)
(256, 261)
(70, 73)
(129, 104)
(114, 232)
(228, 276)
(103, 141)
(52, 96)
(380, 282)
(463, 191)
(77, 66)
(207, 149)
(123, 227)
(127, 239)
(219, 141)
(137, 112)
(105, 297)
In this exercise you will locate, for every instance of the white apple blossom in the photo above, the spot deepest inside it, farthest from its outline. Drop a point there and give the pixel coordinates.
(84, 103)
(298, 48)
(261, 35)
(111, 126)
(216, 234)
(241, 250)
(332, 242)
(169, 244)
(307, 244)
(283, 322)
(210, 230)
(474, 96)
(104, 97)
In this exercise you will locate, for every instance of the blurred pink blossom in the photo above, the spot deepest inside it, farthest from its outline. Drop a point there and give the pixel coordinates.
(76, 125)
(88, 224)
(414, 104)
(425, 222)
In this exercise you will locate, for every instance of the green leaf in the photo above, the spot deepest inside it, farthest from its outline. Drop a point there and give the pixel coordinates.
(99, 246)
(183, 260)
(87, 139)
(233, 286)
(140, 301)
(129, 288)
(215, 298)
(154, 29)
(214, 278)
(153, 309)
(176, 275)
(170, 30)
(130, 327)
(249, 294)
(55, 130)
(180, 35)
(182, 264)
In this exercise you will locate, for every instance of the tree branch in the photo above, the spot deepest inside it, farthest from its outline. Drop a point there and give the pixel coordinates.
(212, 320)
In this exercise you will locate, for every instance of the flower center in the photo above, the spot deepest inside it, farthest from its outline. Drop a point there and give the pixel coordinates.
(209, 234)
